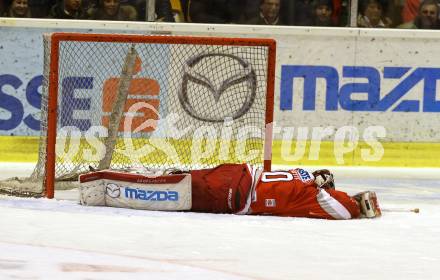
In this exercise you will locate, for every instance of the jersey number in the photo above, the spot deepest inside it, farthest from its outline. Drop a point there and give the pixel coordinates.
(276, 176)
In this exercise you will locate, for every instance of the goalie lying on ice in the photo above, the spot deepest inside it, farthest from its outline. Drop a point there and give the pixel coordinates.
(229, 188)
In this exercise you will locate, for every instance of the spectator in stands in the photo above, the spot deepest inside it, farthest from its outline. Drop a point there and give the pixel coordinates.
(67, 9)
(322, 13)
(112, 10)
(427, 17)
(215, 11)
(252, 11)
(372, 14)
(19, 9)
(269, 13)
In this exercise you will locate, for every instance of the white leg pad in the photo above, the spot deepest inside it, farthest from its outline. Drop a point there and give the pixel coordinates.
(137, 191)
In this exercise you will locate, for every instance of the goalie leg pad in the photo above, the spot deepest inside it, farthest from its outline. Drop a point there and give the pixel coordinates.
(92, 194)
(137, 191)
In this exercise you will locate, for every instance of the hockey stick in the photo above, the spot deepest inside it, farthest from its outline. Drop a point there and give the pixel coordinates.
(414, 210)
(118, 108)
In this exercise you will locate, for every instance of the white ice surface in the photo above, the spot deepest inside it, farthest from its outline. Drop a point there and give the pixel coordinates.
(58, 239)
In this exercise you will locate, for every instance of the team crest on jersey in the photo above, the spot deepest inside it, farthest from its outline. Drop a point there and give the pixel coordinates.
(303, 175)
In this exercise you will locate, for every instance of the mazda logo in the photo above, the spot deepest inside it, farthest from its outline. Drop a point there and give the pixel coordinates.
(202, 87)
(113, 190)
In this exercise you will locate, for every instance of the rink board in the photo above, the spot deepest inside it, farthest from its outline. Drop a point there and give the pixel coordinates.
(327, 78)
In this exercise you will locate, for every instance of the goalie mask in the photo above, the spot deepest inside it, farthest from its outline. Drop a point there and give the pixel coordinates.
(324, 179)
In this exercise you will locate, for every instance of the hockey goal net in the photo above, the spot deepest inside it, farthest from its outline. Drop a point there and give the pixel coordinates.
(124, 101)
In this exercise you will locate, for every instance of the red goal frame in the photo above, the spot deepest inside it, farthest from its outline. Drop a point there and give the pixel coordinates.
(56, 38)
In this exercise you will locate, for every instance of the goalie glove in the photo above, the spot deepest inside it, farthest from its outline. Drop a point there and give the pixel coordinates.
(368, 204)
(324, 179)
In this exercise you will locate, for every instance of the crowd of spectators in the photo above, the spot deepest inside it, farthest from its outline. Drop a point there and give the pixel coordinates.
(421, 14)
(122, 10)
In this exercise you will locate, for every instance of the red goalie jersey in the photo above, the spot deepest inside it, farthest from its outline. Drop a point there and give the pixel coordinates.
(241, 189)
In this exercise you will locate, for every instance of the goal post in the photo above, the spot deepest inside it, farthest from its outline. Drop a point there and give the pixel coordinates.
(145, 101)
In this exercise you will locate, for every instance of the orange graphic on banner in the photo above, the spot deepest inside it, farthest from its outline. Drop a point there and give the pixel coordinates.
(140, 90)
